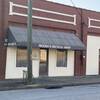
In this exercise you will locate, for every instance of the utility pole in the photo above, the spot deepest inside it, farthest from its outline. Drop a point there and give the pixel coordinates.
(29, 41)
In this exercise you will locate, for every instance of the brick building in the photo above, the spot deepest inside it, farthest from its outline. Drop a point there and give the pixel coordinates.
(66, 40)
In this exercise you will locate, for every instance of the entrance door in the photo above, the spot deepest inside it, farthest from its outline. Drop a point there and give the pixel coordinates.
(43, 71)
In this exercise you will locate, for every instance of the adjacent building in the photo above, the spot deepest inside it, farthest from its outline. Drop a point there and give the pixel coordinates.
(65, 40)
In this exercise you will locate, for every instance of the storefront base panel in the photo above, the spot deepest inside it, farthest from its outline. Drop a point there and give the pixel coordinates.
(13, 72)
(61, 71)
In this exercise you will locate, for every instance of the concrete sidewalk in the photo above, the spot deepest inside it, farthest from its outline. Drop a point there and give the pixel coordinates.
(49, 82)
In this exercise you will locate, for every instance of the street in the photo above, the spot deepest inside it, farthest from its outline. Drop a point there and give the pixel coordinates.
(89, 92)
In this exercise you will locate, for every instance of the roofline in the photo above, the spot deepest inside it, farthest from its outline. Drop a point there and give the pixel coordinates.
(72, 6)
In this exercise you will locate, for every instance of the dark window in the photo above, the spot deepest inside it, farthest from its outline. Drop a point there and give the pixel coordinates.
(21, 60)
(61, 58)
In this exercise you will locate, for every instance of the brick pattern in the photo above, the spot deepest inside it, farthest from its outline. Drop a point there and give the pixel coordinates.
(81, 28)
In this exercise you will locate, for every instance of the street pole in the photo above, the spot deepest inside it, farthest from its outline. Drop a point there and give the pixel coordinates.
(29, 41)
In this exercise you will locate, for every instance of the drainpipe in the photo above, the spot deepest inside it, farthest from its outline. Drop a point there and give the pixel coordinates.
(82, 23)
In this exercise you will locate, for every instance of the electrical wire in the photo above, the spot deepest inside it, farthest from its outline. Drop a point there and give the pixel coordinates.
(77, 11)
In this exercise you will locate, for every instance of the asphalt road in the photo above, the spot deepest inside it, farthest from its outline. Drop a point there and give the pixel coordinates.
(89, 92)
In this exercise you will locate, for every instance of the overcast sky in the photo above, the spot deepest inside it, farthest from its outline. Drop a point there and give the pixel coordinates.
(87, 4)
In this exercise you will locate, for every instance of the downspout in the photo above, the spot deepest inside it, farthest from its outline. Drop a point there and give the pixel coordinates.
(82, 32)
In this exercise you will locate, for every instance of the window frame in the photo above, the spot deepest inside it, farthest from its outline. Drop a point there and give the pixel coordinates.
(66, 55)
(18, 65)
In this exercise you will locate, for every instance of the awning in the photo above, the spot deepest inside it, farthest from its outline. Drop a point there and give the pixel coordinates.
(17, 36)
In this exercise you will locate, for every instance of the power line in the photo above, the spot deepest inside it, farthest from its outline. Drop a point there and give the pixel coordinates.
(80, 14)
(82, 23)
(75, 7)
(73, 3)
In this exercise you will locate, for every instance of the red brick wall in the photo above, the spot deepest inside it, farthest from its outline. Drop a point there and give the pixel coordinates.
(42, 4)
(81, 28)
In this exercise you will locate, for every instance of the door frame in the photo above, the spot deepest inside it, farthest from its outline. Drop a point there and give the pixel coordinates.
(47, 63)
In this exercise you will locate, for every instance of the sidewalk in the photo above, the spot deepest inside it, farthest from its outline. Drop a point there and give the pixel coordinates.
(49, 82)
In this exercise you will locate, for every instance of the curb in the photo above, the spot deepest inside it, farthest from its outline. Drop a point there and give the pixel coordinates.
(48, 83)
(46, 86)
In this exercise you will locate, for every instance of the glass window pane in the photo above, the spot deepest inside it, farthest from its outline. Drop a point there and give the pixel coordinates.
(21, 57)
(61, 58)
(43, 55)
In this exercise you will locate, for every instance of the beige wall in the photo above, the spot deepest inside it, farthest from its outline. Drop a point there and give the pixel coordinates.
(61, 71)
(11, 70)
(93, 46)
(17, 72)
(35, 62)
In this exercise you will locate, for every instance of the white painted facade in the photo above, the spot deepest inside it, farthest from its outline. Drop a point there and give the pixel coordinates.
(92, 63)
(61, 71)
(13, 72)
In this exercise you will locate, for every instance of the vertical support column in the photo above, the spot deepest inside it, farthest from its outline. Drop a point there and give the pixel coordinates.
(3, 30)
(29, 41)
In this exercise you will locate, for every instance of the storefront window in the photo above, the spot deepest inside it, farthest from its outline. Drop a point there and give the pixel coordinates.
(43, 56)
(21, 57)
(61, 58)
